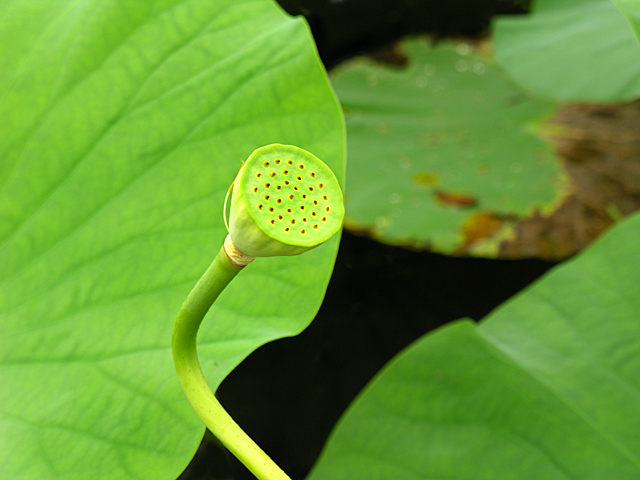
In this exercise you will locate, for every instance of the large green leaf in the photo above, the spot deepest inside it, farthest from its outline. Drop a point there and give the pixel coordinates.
(547, 387)
(441, 149)
(123, 124)
(571, 50)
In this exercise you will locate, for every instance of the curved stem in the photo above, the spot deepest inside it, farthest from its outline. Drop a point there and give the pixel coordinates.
(185, 356)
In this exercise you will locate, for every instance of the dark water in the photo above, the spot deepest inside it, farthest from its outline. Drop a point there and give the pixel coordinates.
(344, 28)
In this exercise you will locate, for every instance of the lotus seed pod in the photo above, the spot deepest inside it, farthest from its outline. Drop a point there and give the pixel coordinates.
(285, 201)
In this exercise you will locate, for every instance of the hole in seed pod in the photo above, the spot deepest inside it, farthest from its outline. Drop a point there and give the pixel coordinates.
(259, 206)
(293, 221)
(272, 174)
(313, 214)
(291, 197)
(315, 202)
(277, 161)
(271, 209)
(255, 189)
(279, 217)
(279, 200)
(272, 222)
(290, 162)
(286, 182)
(288, 210)
(324, 219)
(258, 174)
(266, 197)
(303, 232)
(299, 178)
(325, 198)
(311, 189)
(285, 171)
(301, 166)
(315, 226)
(267, 185)
(266, 164)
(321, 185)
(301, 207)
(286, 229)
(304, 219)
(304, 196)
(278, 187)
(313, 174)
(326, 209)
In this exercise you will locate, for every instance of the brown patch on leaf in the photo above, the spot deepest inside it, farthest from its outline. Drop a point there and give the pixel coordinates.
(600, 149)
(392, 56)
(455, 199)
(479, 227)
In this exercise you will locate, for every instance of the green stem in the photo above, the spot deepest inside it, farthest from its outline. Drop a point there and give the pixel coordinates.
(185, 356)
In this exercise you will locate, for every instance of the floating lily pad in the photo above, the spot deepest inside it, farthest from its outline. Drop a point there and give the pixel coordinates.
(444, 154)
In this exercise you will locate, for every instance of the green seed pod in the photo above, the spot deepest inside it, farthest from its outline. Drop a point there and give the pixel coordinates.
(285, 201)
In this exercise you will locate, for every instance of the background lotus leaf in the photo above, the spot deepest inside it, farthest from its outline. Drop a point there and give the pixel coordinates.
(444, 153)
(571, 50)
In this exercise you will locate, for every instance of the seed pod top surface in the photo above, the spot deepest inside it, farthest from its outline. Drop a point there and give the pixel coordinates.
(291, 195)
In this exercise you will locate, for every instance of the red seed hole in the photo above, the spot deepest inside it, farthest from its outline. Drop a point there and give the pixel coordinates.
(260, 207)
(315, 226)
(286, 229)
(255, 189)
(285, 171)
(326, 209)
(303, 232)
(266, 197)
(258, 175)
(311, 189)
(304, 219)
(267, 185)
(277, 161)
(313, 174)
(272, 222)
(271, 209)
(301, 207)
(324, 219)
(290, 162)
(321, 185)
(325, 198)
(278, 187)
(299, 178)
(279, 217)
(279, 200)
(313, 214)
(288, 210)
(266, 164)
(290, 197)
(293, 221)
(273, 174)
(304, 196)
(286, 182)
(301, 166)
(315, 202)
